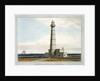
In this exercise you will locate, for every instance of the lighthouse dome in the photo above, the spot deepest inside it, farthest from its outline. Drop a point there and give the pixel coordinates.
(53, 24)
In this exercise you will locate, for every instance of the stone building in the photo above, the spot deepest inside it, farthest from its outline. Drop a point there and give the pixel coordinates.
(57, 54)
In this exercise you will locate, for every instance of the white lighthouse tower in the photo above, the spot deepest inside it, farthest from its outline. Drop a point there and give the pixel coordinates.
(52, 39)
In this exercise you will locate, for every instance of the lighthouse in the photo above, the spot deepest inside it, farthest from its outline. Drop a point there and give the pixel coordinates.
(52, 40)
(53, 52)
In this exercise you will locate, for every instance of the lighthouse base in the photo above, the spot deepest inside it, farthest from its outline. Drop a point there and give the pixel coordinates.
(56, 54)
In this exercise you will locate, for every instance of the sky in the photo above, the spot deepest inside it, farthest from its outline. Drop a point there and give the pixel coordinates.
(34, 34)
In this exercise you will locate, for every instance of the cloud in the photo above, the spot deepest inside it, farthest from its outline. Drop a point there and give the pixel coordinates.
(68, 35)
(43, 44)
(62, 22)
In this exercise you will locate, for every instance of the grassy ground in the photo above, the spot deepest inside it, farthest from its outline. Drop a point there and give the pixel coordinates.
(62, 59)
(50, 59)
(27, 59)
